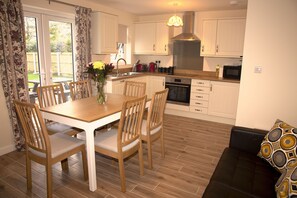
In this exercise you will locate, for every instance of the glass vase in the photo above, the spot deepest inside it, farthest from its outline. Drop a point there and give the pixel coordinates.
(101, 99)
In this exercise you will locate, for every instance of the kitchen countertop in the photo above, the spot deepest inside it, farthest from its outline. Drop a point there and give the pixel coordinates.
(192, 76)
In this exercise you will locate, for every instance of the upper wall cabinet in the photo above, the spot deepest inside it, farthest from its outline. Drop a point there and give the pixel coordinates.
(223, 37)
(151, 38)
(104, 33)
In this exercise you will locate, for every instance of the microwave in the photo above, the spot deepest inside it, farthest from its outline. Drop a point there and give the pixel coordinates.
(232, 72)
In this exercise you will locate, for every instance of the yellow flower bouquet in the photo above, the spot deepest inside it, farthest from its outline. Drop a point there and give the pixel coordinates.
(98, 71)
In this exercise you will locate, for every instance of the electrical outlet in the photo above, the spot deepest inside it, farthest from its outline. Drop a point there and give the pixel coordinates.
(258, 69)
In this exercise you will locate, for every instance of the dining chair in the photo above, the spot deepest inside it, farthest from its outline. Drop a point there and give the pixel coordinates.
(152, 127)
(122, 142)
(80, 89)
(52, 95)
(136, 89)
(43, 148)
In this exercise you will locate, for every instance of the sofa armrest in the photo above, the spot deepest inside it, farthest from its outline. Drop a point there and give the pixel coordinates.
(246, 139)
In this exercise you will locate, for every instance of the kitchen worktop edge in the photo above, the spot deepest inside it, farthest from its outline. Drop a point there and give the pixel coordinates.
(192, 76)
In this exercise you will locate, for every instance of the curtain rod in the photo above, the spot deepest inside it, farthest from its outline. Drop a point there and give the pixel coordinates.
(61, 2)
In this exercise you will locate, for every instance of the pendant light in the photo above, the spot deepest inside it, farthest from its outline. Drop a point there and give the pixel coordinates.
(175, 20)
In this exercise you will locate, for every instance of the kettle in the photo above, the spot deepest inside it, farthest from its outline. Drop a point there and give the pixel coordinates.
(152, 67)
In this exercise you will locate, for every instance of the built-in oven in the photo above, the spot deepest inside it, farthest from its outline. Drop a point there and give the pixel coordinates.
(179, 90)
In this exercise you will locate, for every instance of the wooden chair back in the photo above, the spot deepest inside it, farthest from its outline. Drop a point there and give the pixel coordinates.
(50, 95)
(35, 131)
(156, 110)
(135, 89)
(80, 89)
(130, 122)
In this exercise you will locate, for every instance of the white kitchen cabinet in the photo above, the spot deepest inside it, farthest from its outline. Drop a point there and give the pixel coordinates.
(151, 38)
(117, 86)
(155, 83)
(223, 99)
(199, 96)
(223, 37)
(104, 33)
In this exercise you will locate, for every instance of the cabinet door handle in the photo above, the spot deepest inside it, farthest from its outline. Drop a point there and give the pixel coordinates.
(200, 83)
(198, 103)
(122, 81)
(217, 49)
(199, 89)
(199, 110)
(165, 48)
(210, 87)
(154, 47)
(202, 48)
(199, 96)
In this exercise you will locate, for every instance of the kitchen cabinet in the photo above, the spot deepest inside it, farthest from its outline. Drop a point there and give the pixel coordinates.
(199, 96)
(104, 33)
(151, 38)
(223, 99)
(117, 86)
(223, 37)
(155, 83)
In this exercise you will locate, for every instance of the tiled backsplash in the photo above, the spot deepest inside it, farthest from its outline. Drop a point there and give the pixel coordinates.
(166, 61)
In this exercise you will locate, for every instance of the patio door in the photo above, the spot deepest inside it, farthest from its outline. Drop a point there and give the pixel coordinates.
(49, 47)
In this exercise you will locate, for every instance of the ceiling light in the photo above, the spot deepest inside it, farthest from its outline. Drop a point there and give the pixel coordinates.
(175, 20)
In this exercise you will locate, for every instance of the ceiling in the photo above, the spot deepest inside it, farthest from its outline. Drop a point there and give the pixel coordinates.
(151, 7)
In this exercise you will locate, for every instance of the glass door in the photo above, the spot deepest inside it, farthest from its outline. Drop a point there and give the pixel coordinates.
(49, 47)
(34, 58)
(61, 45)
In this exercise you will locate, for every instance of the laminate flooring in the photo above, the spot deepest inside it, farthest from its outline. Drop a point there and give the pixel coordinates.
(193, 148)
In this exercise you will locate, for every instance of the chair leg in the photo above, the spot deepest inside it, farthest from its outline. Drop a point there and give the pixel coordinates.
(29, 173)
(85, 165)
(162, 143)
(122, 174)
(64, 164)
(49, 180)
(140, 155)
(149, 154)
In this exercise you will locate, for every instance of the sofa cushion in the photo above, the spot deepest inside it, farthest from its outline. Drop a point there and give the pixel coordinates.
(279, 145)
(286, 185)
(240, 172)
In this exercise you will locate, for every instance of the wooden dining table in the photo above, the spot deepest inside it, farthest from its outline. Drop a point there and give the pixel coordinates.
(88, 115)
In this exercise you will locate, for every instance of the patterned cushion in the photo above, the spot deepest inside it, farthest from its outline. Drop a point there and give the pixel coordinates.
(286, 185)
(278, 146)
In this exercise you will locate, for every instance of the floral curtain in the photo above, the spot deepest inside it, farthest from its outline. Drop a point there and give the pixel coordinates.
(13, 61)
(82, 38)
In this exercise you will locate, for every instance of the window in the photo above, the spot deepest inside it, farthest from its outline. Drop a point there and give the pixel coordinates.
(49, 47)
(121, 53)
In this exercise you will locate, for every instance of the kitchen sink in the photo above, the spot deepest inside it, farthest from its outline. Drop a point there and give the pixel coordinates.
(114, 76)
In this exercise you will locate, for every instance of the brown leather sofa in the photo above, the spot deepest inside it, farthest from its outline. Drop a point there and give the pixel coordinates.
(240, 173)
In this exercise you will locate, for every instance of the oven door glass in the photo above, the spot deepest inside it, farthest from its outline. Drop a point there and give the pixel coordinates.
(178, 93)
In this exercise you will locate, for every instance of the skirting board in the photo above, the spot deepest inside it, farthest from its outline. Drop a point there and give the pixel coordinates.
(200, 116)
(7, 149)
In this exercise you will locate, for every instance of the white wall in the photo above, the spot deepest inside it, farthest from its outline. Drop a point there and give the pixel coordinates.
(270, 42)
(6, 141)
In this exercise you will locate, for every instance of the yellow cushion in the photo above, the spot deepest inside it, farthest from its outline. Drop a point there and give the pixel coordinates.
(286, 185)
(279, 145)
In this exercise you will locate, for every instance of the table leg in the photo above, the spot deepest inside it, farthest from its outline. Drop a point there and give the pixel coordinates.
(91, 159)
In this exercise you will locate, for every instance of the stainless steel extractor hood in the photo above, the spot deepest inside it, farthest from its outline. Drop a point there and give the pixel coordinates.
(188, 28)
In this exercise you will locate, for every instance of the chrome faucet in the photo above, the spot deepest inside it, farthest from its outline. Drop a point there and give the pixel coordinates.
(118, 64)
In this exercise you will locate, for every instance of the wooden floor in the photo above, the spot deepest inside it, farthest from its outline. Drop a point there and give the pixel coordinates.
(193, 148)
